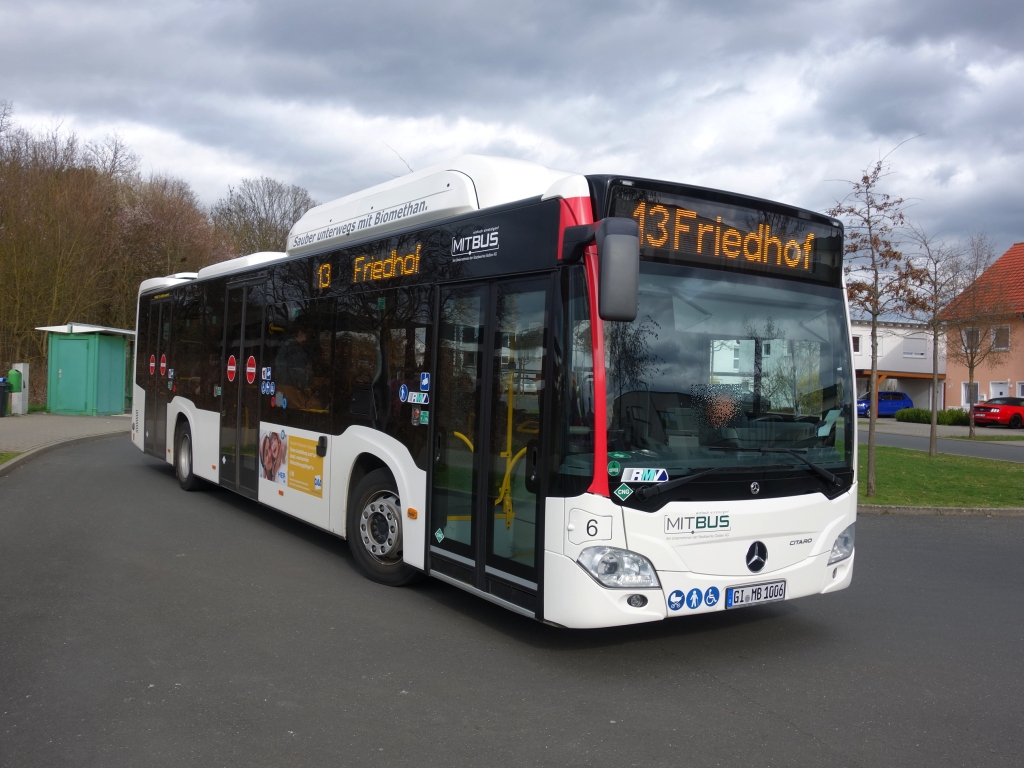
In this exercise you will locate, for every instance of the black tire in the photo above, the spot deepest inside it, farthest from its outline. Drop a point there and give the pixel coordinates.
(374, 529)
(183, 459)
(1015, 421)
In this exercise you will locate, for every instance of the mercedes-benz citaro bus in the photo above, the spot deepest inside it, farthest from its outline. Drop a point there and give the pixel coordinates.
(593, 400)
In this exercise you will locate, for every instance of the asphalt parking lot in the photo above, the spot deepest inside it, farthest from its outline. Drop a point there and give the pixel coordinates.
(140, 625)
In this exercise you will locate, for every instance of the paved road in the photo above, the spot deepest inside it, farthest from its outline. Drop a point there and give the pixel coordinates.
(34, 430)
(981, 449)
(140, 625)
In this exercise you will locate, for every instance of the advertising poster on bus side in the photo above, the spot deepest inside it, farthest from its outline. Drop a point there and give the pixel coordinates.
(291, 461)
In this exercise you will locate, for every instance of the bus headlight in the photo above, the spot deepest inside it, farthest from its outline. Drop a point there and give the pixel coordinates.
(843, 547)
(618, 568)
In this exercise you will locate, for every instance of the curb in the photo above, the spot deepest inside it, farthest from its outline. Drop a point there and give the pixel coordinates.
(21, 458)
(877, 509)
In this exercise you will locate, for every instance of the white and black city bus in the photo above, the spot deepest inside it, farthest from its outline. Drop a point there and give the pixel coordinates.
(417, 375)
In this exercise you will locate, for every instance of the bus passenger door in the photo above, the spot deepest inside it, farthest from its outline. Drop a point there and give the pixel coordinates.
(157, 354)
(240, 393)
(486, 495)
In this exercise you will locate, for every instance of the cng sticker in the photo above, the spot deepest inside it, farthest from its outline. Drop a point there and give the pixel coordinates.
(250, 369)
(439, 535)
(232, 367)
(623, 491)
(641, 475)
(163, 364)
(152, 364)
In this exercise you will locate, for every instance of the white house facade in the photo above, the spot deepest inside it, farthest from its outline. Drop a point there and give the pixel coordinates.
(904, 359)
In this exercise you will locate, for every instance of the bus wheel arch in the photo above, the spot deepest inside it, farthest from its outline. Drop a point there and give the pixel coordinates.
(373, 523)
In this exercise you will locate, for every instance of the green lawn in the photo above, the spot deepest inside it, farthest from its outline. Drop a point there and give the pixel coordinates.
(4, 457)
(911, 478)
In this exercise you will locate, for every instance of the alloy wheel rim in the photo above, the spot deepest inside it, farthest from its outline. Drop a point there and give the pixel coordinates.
(185, 459)
(380, 527)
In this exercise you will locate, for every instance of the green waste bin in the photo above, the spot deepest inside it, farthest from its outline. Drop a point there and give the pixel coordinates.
(14, 379)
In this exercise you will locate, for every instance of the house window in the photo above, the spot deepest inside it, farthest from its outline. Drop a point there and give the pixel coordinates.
(1001, 338)
(856, 345)
(971, 338)
(969, 399)
(1020, 389)
(915, 347)
(736, 358)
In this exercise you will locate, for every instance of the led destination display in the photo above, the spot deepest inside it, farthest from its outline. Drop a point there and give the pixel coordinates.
(708, 232)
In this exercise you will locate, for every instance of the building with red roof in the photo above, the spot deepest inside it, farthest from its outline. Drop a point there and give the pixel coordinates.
(999, 290)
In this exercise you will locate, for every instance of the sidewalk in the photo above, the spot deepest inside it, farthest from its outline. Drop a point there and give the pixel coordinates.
(893, 427)
(20, 434)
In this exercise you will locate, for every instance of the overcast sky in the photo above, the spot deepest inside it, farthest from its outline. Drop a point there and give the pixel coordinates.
(778, 99)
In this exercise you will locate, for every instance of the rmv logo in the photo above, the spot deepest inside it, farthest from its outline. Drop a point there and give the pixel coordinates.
(691, 524)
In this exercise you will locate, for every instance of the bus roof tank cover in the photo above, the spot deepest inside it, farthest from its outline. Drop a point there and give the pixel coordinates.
(618, 253)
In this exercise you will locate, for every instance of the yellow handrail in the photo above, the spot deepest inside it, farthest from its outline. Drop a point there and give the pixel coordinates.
(464, 439)
(505, 492)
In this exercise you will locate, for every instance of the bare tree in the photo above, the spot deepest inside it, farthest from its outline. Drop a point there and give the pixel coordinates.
(79, 230)
(257, 215)
(940, 264)
(880, 277)
(976, 317)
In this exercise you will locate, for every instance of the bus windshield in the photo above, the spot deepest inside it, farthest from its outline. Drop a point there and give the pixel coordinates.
(717, 364)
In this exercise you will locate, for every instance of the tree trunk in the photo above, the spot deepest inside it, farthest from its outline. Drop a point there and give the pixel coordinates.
(873, 409)
(933, 443)
(970, 400)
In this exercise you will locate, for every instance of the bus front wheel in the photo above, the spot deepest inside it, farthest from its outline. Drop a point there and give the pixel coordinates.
(183, 459)
(374, 529)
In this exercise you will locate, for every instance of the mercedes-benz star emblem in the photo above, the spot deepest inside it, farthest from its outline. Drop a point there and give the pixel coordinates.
(757, 556)
(755, 488)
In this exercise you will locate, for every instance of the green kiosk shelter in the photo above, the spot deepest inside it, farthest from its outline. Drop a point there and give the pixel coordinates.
(87, 369)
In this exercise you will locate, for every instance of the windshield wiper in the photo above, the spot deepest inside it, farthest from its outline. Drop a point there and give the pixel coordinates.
(824, 473)
(649, 491)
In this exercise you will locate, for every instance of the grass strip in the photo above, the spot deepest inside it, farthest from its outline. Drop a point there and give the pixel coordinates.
(912, 478)
(5, 457)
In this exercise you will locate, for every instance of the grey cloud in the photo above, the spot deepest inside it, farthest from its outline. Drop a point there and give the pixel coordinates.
(602, 81)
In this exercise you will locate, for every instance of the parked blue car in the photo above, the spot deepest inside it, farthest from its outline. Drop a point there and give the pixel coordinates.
(888, 403)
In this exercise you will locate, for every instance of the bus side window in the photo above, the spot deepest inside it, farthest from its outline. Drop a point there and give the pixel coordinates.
(406, 325)
(211, 346)
(297, 349)
(357, 367)
(186, 355)
(142, 344)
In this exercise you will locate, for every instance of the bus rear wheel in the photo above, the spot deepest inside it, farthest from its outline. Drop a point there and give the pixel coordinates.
(374, 529)
(183, 459)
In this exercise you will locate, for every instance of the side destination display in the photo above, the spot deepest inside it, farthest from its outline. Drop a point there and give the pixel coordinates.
(483, 244)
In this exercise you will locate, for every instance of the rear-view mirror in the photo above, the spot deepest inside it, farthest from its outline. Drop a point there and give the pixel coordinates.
(618, 254)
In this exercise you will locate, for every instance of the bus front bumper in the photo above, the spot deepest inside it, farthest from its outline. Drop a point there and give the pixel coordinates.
(572, 598)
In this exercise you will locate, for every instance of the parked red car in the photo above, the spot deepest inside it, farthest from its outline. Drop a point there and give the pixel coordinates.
(1002, 411)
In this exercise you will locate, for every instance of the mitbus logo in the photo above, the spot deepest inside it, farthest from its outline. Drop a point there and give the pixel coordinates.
(479, 245)
(690, 525)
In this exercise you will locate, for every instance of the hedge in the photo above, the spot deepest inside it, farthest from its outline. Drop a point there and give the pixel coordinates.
(951, 417)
